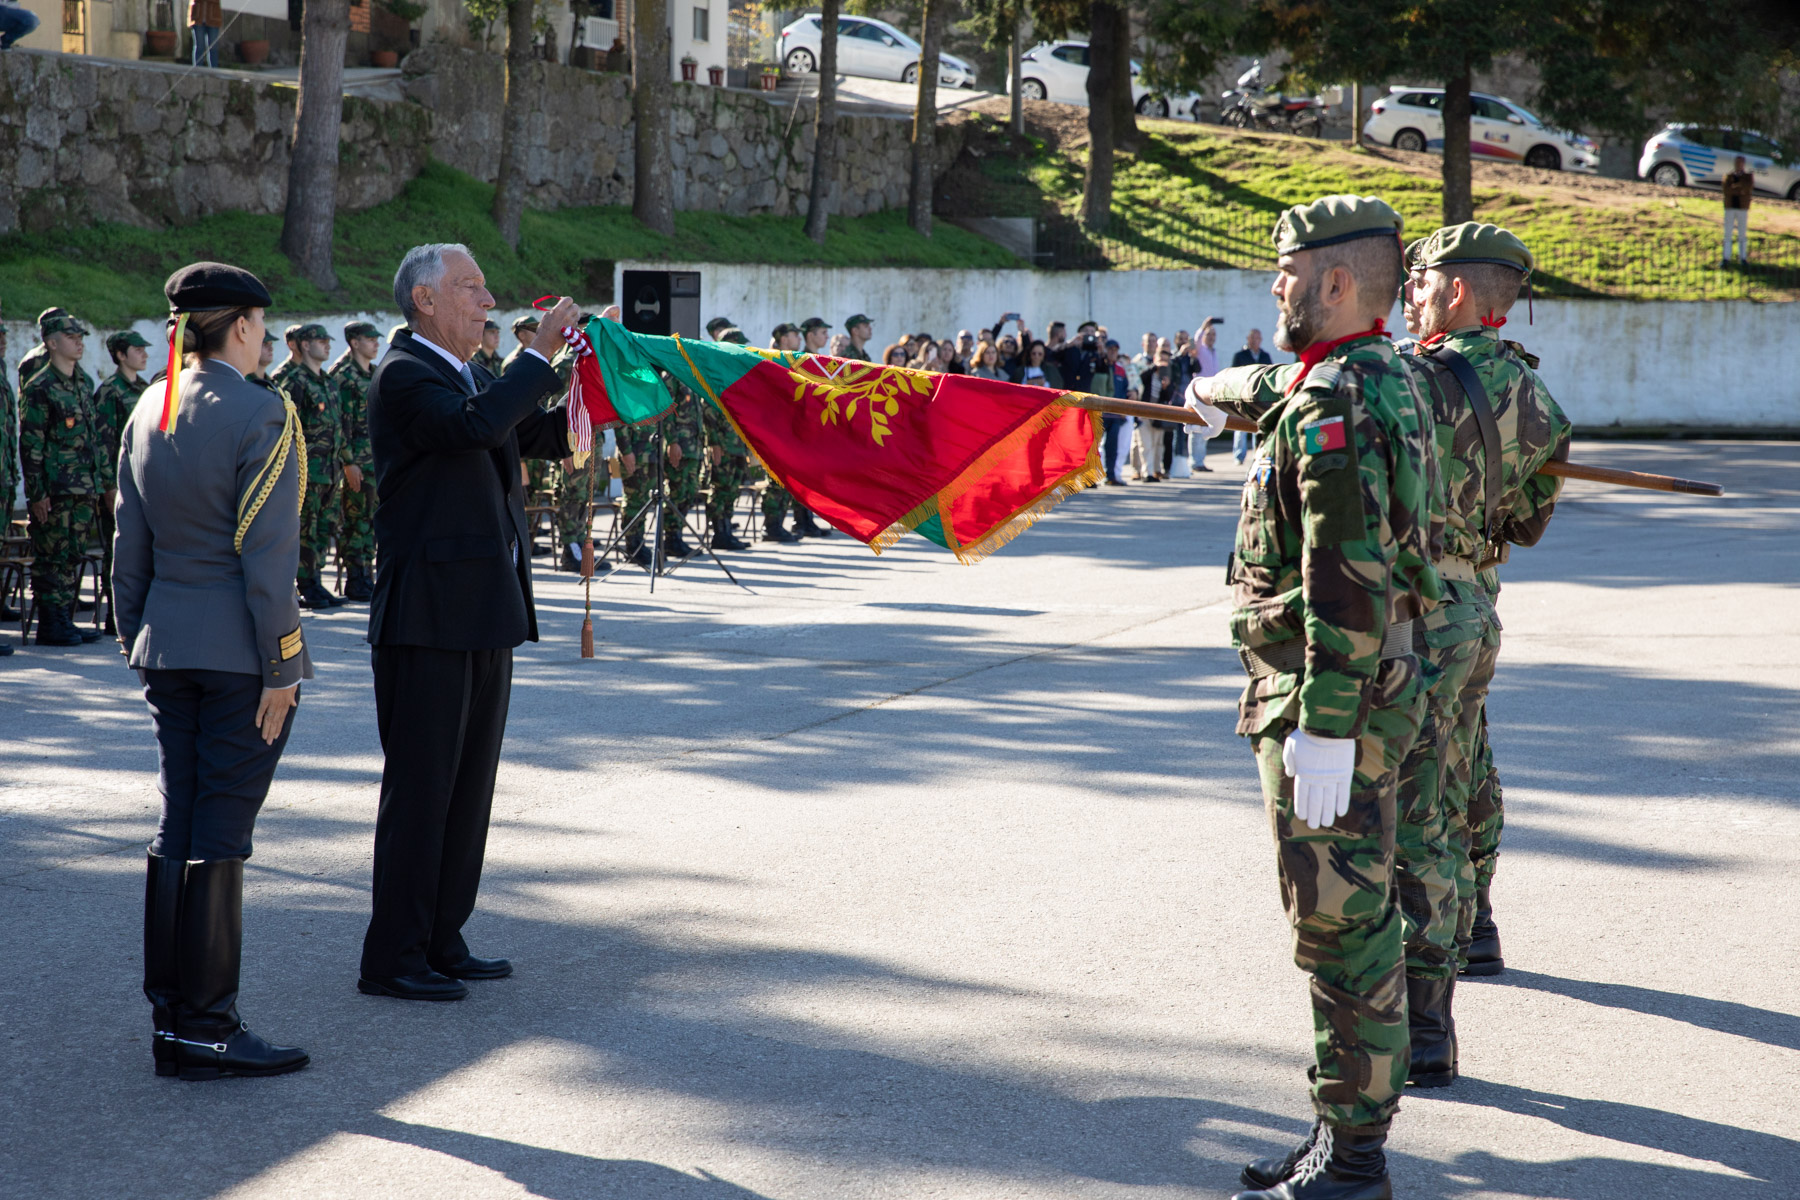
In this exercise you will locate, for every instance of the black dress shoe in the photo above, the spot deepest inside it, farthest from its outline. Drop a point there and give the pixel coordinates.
(475, 968)
(420, 985)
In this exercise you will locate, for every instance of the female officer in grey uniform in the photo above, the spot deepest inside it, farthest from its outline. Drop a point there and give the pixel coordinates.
(208, 536)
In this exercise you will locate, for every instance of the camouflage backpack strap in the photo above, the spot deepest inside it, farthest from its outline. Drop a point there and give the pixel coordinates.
(1490, 431)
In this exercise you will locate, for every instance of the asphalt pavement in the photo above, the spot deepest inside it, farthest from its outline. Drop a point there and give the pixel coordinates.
(889, 877)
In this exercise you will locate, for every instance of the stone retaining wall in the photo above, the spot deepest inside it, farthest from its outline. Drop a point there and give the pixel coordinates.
(96, 140)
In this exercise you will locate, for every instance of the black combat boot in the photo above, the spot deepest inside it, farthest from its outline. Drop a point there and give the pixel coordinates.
(360, 588)
(568, 562)
(87, 633)
(724, 539)
(1433, 1032)
(1267, 1172)
(54, 626)
(210, 1038)
(807, 526)
(776, 531)
(8, 612)
(1484, 956)
(635, 550)
(674, 546)
(1343, 1164)
(163, 880)
(315, 597)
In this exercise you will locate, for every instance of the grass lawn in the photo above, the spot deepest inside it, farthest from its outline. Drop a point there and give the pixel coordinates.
(1207, 196)
(112, 274)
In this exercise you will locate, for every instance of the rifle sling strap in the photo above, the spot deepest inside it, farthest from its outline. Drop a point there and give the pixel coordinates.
(1490, 431)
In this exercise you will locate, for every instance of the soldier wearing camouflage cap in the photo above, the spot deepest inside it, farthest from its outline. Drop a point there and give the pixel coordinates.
(113, 401)
(1497, 426)
(860, 328)
(38, 355)
(64, 450)
(264, 357)
(352, 373)
(816, 331)
(1331, 571)
(717, 323)
(525, 329)
(9, 457)
(489, 354)
(303, 380)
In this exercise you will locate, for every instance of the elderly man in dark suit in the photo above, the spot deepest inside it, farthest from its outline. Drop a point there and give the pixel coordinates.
(452, 599)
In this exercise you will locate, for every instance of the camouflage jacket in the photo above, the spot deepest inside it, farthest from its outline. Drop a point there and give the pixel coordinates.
(353, 402)
(315, 395)
(492, 362)
(34, 360)
(721, 432)
(61, 441)
(9, 442)
(113, 402)
(1334, 536)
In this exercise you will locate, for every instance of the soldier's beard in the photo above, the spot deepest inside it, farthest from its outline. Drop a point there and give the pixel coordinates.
(1300, 320)
(1429, 316)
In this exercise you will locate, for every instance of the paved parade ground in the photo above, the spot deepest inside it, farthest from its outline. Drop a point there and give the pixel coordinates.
(898, 878)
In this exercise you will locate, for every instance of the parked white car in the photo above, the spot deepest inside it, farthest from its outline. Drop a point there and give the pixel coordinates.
(1702, 156)
(867, 47)
(1058, 71)
(1412, 118)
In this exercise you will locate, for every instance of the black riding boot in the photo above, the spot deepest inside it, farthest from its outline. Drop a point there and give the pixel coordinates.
(1267, 1172)
(1484, 939)
(1343, 1164)
(1433, 1032)
(163, 879)
(211, 1039)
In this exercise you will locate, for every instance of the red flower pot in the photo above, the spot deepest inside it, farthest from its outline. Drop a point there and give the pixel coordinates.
(715, 76)
(253, 53)
(159, 43)
(688, 70)
(384, 58)
(770, 81)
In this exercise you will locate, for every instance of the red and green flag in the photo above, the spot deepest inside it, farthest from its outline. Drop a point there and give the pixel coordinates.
(877, 451)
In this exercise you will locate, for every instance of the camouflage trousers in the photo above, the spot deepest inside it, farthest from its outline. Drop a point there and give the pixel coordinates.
(57, 544)
(640, 485)
(356, 530)
(318, 524)
(1338, 888)
(683, 480)
(574, 502)
(775, 503)
(1429, 861)
(1477, 813)
(729, 475)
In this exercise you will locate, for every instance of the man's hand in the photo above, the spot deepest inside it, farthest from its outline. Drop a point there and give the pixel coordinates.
(566, 313)
(1196, 398)
(717, 454)
(674, 450)
(353, 477)
(40, 510)
(629, 465)
(272, 712)
(568, 465)
(1322, 768)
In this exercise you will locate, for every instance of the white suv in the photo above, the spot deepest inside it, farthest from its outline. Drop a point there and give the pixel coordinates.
(1702, 156)
(867, 47)
(1412, 118)
(1058, 71)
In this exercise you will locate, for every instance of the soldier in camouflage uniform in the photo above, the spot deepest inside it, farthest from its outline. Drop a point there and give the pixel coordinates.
(302, 379)
(683, 443)
(1331, 569)
(38, 355)
(352, 372)
(727, 453)
(113, 402)
(9, 459)
(63, 450)
(539, 473)
(776, 501)
(489, 354)
(572, 487)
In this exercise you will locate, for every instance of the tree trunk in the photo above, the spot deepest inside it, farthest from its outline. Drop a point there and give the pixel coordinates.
(1096, 194)
(1125, 129)
(824, 163)
(653, 189)
(1459, 200)
(1356, 111)
(515, 122)
(1016, 59)
(313, 167)
(924, 138)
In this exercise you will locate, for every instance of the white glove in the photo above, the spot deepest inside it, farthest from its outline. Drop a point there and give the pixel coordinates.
(1196, 399)
(1321, 768)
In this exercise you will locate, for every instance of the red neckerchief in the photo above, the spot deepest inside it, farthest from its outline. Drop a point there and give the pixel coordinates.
(1491, 321)
(1315, 354)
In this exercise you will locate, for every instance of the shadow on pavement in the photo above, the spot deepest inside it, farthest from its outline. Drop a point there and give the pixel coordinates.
(1722, 1016)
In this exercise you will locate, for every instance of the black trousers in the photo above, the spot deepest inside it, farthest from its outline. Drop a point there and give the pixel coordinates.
(441, 715)
(214, 768)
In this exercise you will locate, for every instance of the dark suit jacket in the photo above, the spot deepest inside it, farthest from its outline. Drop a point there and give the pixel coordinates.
(453, 559)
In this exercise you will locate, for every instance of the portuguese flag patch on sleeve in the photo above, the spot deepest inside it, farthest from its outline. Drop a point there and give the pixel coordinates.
(1321, 436)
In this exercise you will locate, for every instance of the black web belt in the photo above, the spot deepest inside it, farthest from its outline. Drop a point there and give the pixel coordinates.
(1289, 657)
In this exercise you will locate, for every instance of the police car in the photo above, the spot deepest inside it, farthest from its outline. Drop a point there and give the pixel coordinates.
(1701, 156)
(1412, 118)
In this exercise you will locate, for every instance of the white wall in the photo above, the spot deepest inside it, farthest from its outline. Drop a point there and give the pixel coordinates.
(1608, 362)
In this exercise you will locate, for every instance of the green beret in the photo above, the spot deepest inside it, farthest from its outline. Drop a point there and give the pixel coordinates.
(358, 329)
(1333, 219)
(1470, 242)
(61, 322)
(116, 343)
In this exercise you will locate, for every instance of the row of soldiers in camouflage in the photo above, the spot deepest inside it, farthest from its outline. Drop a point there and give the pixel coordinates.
(1387, 491)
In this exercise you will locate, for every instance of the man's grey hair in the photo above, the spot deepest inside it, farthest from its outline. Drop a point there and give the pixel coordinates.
(423, 265)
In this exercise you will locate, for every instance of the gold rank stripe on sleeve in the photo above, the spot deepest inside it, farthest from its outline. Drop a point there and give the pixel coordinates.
(291, 644)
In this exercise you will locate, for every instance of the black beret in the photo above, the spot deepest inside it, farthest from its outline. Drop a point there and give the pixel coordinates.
(211, 286)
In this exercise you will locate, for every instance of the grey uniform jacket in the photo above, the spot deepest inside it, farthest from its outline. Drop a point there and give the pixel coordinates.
(184, 597)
